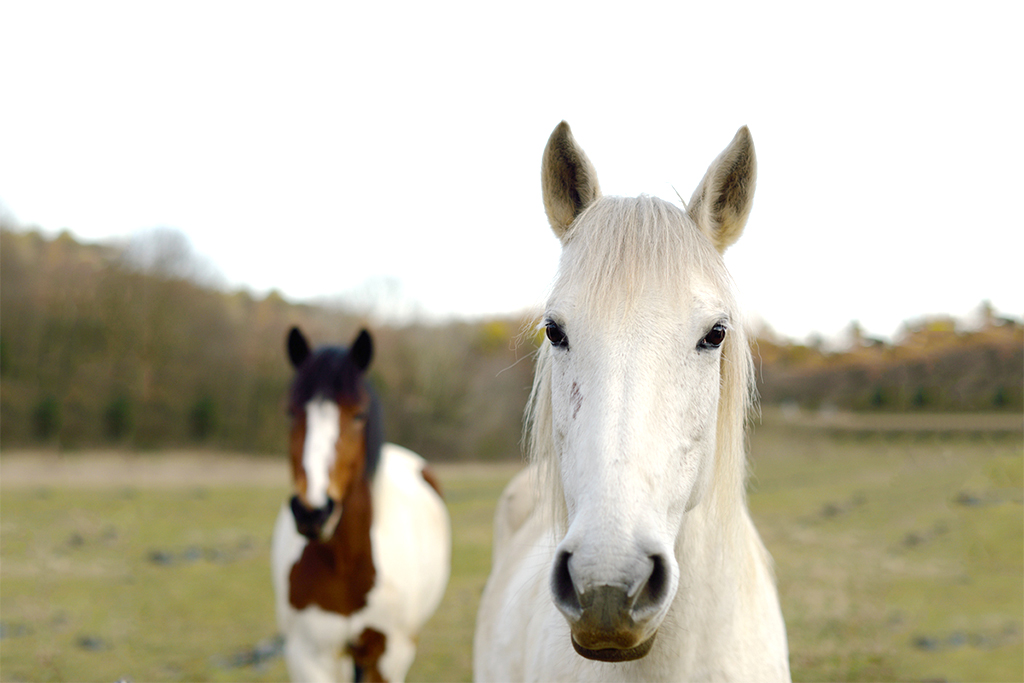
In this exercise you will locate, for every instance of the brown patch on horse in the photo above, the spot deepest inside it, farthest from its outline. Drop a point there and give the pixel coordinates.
(431, 478)
(337, 574)
(366, 653)
(350, 449)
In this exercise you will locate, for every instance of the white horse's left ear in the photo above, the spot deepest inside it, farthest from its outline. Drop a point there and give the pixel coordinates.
(721, 203)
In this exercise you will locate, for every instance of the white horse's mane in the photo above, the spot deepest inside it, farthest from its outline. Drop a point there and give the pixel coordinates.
(616, 248)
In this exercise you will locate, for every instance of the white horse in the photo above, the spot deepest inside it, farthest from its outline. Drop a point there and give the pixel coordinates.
(626, 551)
(361, 553)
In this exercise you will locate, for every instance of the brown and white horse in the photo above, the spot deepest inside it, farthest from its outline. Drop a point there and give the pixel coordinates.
(362, 552)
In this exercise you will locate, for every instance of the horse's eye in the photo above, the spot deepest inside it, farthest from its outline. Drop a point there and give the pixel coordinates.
(714, 338)
(556, 335)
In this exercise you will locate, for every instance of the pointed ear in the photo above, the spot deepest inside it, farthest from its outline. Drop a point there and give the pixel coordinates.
(568, 179)
(362, 350)
(721, 203)
(298, 347)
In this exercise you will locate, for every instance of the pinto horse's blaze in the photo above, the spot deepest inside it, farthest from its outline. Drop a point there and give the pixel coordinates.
(338, 561)
(328, 448)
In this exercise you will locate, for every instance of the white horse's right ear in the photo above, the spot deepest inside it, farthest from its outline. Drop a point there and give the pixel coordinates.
(568, 179)
(721, 203)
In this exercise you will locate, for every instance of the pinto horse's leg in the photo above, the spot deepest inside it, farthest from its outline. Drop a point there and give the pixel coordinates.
(379, 657)
(307, 662)
(397, 658)
(366, 654)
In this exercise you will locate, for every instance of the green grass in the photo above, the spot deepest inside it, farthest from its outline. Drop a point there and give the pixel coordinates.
(446, 645)
(174, 584)
(82, 597)
(898, 558)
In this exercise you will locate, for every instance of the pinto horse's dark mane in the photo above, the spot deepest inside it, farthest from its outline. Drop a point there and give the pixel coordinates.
(330, 373)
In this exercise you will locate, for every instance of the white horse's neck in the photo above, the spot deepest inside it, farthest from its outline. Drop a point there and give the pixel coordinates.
(716, 628)
(714, 554)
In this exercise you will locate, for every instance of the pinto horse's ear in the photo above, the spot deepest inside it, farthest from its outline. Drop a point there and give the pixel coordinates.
(362, 350)
(298, 347)
(568, 179)
(721, 203)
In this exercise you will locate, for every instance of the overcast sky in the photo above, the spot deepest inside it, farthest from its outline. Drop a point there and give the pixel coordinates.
(317, 147)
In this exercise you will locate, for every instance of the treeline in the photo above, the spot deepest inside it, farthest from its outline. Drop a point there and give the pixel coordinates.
(120, 346)
(135, 346)
(935, 364)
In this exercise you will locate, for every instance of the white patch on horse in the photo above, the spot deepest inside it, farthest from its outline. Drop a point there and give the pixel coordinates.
(318, 453)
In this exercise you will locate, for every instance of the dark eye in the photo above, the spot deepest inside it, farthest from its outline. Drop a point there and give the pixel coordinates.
(714, 338)
(556, 335)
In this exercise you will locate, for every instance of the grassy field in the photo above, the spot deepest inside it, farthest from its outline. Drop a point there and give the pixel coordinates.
(899, 557)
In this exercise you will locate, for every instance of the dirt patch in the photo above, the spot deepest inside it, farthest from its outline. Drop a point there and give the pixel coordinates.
(174, 469)
(940, 423)
(477, 470)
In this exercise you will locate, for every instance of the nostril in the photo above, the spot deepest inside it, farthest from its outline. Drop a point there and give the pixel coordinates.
(298, 509)
(325, 511)
(563, 588)
(654, 592)
(310, 521)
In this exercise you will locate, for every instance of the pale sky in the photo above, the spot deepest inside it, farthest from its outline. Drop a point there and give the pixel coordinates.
(317, 147)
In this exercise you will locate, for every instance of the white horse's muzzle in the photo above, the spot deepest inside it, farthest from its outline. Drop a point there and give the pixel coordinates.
(612, 618)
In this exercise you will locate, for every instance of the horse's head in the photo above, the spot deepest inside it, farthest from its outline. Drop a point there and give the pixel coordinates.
(644, 346)
(335, 431)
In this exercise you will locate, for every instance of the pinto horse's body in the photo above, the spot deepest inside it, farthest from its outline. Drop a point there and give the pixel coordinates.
(626, 551)
(361, 553)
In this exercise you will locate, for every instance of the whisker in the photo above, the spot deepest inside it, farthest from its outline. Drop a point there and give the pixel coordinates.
(527, 356)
